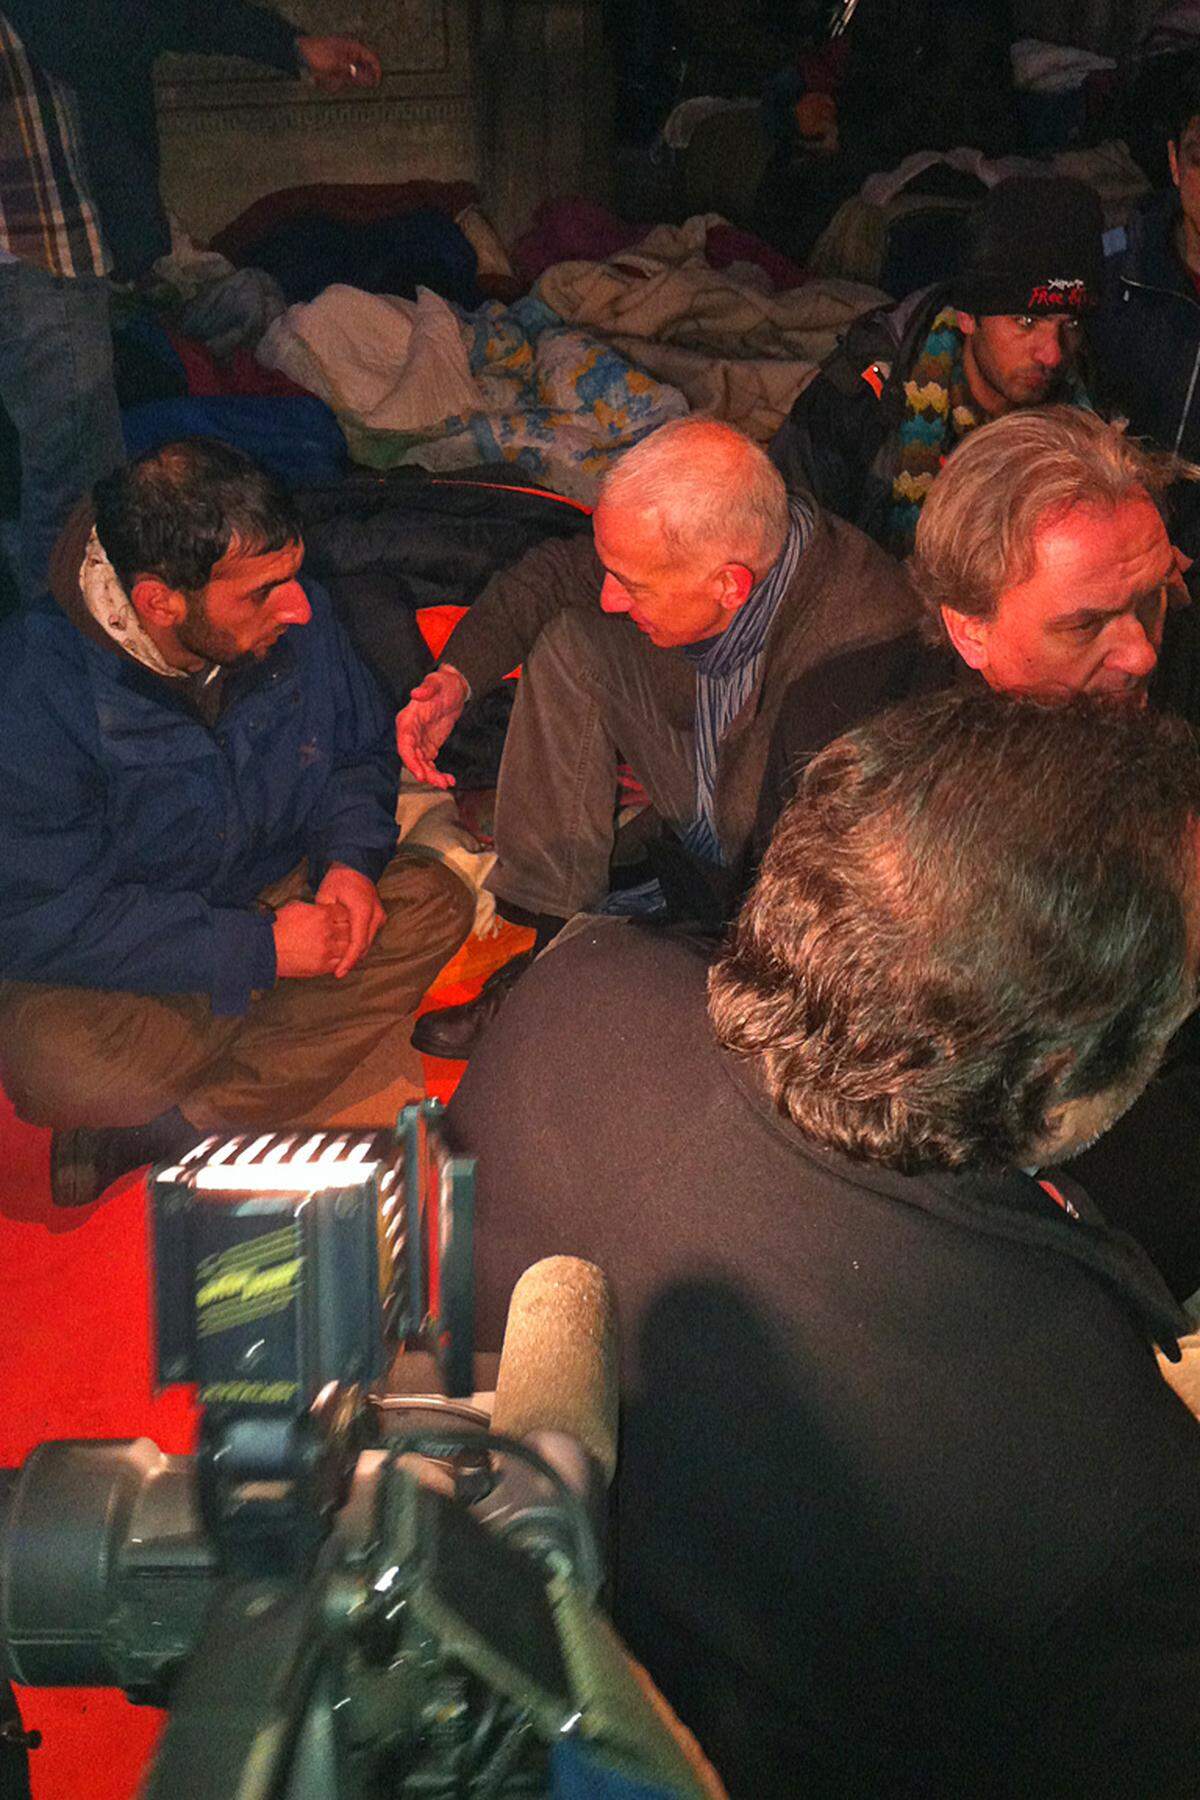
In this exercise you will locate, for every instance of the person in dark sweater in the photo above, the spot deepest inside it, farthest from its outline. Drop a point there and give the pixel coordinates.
(904, 1504)
(1044, 565)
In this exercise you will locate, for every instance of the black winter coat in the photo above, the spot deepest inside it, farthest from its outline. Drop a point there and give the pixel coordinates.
(1146, 344)
(840, 442)
(904, 1507)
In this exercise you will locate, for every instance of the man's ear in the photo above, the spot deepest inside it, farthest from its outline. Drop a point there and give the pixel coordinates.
(1173, 160)
(969, 636)
(158, 606)
(736, 582)
(966, 324)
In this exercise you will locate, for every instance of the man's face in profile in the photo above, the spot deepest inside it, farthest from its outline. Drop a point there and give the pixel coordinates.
(250, 600)
(672, 599)
(1076, 1124)
(1089, 619)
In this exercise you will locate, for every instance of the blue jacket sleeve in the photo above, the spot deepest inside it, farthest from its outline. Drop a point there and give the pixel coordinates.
(65, 917)
(355, 822)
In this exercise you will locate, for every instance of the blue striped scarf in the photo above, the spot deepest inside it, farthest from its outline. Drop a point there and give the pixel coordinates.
(727, 669)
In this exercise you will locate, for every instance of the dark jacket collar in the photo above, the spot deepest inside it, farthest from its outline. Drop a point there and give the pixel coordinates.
(1150, 258)
(1005, 1205)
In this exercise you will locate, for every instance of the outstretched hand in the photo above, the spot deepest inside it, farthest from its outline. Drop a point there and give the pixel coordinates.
(422, 727)
(336, 63)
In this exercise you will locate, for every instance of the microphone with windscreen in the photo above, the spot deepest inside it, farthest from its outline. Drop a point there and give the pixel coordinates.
(556, 1394)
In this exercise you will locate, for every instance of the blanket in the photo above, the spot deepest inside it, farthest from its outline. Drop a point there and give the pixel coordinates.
(733, 346)
(428, 383)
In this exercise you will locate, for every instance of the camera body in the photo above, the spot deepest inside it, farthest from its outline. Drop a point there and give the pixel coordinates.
(346, 1593)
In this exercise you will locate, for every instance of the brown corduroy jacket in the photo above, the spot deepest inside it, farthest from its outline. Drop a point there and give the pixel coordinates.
(846, 592)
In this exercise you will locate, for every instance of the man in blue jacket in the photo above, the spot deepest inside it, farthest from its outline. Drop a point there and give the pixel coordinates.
(204, 923)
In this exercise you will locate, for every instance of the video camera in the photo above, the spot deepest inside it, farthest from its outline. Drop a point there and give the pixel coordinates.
(348, 1593)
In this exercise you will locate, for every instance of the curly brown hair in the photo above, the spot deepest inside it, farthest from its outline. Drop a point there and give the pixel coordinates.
(975, 909)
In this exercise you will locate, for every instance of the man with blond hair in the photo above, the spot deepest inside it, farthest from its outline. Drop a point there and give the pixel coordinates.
(1044, 568)
(667, 642)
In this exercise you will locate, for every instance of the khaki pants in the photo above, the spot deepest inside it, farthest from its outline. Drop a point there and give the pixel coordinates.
(594, 691)
(317, 1051)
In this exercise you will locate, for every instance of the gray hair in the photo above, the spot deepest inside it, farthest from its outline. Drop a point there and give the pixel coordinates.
(976, 535)
(712, 489)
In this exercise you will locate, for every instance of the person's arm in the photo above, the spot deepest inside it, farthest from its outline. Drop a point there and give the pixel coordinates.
(502, 626)
(496, 635)
(70, 914)
(73, 39)
(826, 444)
(354, 824)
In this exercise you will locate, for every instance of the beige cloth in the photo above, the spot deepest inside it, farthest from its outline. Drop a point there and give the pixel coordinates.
(115, 613)
(386, 363)
(428, 820)
(762, 347)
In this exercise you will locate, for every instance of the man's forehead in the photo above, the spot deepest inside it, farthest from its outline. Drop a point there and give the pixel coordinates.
(242, 562)
(631, 533)
(1093, 553)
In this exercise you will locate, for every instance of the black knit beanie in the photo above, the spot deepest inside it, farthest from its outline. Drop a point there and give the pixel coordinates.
(1035, 248)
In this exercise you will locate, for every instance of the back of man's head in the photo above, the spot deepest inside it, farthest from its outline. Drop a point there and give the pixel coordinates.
(974, 911)
(712, 490)
(977, 532)
(176, 511)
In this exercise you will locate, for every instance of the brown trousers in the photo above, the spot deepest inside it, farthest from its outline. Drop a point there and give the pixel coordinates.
(309, 1052)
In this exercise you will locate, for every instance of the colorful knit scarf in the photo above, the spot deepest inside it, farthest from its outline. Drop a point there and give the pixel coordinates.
(938, 411)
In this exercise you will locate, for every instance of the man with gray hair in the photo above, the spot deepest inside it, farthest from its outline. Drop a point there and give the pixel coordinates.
(1044, 567)
(667, 642)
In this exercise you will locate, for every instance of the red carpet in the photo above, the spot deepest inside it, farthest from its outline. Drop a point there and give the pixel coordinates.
(75, 1362)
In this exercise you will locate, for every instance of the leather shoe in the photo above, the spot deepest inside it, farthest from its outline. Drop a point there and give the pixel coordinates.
(85, 1160)
(80, 1169)
(455, 1030)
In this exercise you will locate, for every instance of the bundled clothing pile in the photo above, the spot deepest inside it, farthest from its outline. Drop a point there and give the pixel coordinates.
(424, 382)
(733, 345)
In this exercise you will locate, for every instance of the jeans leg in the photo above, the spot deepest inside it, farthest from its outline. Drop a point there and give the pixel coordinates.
(594, 692)
(56, 382)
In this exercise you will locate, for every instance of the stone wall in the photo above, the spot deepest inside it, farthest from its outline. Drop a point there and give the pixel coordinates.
(514, 95)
